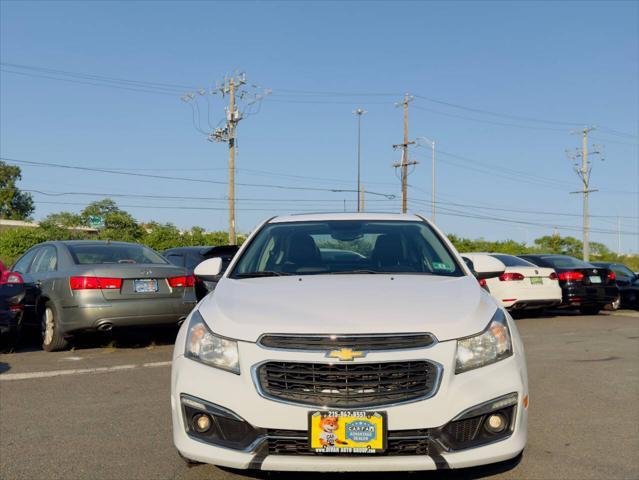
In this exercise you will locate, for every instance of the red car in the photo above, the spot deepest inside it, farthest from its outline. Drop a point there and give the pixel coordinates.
(11, 302)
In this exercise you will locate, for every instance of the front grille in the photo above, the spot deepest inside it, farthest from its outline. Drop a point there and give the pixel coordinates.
(348, 385)
(356, 342)
(397, 445)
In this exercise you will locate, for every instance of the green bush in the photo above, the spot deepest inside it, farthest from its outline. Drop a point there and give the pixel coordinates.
(16, 241)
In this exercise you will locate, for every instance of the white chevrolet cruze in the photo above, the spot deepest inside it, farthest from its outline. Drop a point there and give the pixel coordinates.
(349, 342)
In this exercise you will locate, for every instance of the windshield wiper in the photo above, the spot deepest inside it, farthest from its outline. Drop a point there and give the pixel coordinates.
(356, 272)
(265, 273)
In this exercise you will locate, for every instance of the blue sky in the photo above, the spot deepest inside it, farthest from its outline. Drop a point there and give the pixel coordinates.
(573, 63)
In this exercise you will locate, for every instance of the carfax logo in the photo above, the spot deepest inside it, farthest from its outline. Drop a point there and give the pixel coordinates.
(361, 431)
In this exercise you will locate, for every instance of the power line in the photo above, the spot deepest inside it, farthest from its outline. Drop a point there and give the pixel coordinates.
(456, 213)
(531, 212)
(182, 197)
(119, 87)
(162, 85)
(197, 180)
(263, 199)
(497, 114)
(164, 88)
(183, 207)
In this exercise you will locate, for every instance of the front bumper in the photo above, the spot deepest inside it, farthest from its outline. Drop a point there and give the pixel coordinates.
(456, 394)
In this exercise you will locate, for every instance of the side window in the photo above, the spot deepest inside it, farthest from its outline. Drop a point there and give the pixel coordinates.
(176, 259)
(46, 261)
(22, 265)
(194, 260)
(621, 270)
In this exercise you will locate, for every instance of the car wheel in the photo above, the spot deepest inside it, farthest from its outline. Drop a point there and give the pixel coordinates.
(52, 338)
(591, 310)
(615, 304)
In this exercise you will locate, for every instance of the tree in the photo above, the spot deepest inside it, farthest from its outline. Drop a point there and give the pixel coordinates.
(62, 219)
(118, 224)
(14, 204)
(556, 244)
(162, 237)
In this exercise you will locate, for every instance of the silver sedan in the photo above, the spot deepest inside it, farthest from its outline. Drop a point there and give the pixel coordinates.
(83, 285)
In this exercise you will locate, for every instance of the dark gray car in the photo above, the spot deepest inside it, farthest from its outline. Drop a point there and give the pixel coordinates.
(81, 285)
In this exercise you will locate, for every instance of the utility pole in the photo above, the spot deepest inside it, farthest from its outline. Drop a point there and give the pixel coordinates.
(236, 88)
(361, 205)
(618, 235)
(583, 172)
(359, 112)
(405, 161)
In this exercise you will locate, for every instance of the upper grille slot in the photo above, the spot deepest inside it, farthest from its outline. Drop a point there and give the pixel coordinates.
(357, 342)
(348, 385)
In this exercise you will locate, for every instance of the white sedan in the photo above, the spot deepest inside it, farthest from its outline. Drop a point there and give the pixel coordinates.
(349, 342)
(523, 285)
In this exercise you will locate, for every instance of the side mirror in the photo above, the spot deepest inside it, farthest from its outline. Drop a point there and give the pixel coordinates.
(209, 269)
(484, 266)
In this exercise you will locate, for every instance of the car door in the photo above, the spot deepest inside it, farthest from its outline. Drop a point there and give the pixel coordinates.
(42, 273)
(23, 266)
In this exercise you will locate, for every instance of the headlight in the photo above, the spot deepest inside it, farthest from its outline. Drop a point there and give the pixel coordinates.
(490, 346)
(204, 346)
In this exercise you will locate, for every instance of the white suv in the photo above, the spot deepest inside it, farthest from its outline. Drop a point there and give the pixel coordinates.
(349, 342)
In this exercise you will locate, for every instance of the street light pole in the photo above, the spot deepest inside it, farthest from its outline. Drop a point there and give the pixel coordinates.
(432, 184)
(432, 188)
(359, 112)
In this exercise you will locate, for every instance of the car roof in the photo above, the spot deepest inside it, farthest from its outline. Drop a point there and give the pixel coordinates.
(92, 242)
(206, 250)
(316, 217)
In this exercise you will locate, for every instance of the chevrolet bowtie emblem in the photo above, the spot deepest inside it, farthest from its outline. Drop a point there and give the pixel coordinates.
(345, 354)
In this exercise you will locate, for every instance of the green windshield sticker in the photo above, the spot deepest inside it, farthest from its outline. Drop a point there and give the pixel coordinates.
(442, 266)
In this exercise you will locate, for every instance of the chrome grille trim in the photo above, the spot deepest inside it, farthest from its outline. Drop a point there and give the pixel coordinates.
(368, 342)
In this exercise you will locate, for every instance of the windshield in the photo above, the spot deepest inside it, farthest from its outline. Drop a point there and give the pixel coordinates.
(346, 246)
(512, 261)
(97, 253)
(564, 261)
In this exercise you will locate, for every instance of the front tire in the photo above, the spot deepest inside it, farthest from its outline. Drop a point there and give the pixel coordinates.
(52, 338)
(590, 310)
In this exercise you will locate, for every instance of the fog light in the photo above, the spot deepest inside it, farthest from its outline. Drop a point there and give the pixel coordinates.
(202, 423)
(495, 423)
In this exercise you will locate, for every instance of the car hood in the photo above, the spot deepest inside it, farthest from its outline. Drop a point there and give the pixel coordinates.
(448, 307)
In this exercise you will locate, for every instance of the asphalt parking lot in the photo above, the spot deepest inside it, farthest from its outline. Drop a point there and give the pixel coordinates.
(102, 410)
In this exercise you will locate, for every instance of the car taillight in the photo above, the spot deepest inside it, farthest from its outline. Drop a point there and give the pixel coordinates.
(612, 276)
(184, 281)
(508, 276)
(95, 283)
(482, 282)
(553, 276)
(12, 278)
(571, 276)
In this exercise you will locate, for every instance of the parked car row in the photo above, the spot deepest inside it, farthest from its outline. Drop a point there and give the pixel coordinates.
(191, 257)
(560, 281)
(68, 287)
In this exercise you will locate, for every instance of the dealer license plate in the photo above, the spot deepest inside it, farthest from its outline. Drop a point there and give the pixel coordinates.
(145, 285)
(536, 281)
(342, 431)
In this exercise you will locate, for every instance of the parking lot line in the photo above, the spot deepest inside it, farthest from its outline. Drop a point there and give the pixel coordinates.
(78, 371)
